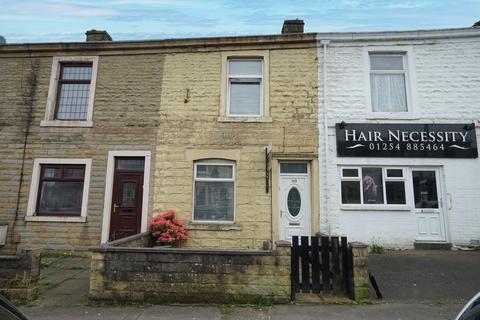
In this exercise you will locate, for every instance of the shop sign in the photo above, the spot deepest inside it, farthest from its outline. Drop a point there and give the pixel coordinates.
(406, 140)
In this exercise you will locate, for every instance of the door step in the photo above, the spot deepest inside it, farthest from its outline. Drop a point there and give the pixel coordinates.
(422, 245)
(316, 298)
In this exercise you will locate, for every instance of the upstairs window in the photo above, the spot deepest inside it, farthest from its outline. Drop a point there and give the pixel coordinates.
(73, 91)
(388, 82)
(245, 87)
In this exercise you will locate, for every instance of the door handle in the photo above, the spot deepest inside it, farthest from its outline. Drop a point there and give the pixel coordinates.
(115, 206)
(281, 213)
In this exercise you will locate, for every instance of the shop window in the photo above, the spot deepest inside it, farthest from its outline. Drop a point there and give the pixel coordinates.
(214, 191)
(373, 186)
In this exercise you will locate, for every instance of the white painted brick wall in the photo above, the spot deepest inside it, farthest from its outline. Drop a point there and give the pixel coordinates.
(448, 91)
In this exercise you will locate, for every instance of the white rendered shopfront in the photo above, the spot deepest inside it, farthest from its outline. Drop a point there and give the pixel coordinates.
(428, 83)
(447, 212)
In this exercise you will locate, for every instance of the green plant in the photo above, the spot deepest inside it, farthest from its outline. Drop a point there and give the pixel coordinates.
(44, 264)
(65, 255)
(376, 248)
(77, 267)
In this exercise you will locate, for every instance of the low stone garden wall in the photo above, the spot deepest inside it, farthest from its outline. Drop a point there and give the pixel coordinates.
(19, 276)
(122, 273)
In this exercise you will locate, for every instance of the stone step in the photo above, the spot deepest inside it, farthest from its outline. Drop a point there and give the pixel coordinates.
(424, 245)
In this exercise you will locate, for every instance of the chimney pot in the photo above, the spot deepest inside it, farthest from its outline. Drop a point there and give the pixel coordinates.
(97, 35)
(293, 26)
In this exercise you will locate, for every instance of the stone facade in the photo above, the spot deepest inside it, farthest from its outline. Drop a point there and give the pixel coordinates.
(19, 276)
(194, 130)
(159, 275)
(141, 104)
(125, 117)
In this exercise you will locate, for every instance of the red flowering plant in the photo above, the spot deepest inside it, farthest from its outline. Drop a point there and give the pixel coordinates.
(165, 229)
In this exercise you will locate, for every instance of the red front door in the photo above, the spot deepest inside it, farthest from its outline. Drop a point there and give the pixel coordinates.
(127, 197)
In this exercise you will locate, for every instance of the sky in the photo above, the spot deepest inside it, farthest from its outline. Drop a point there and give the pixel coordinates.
(33, 21)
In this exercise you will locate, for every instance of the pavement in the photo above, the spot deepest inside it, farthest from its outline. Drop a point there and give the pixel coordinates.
(423, 285)
(302, 312)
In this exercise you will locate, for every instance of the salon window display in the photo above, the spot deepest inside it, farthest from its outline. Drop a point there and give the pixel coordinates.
(373, 186)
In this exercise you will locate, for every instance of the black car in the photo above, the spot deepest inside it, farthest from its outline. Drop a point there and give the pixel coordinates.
(471, 311)
(8, 311)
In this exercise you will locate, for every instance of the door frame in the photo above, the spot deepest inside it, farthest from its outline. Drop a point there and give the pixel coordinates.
(441, 194)
(276, 200)
(107, 204)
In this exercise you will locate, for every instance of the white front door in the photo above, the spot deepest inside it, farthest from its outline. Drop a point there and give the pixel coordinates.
(428, 205)
(295, 200)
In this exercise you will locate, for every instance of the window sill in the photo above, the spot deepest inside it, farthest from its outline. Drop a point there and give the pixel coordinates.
(357, 207)
(244, 119)
(214, 226)
(392, 116)
(61, 123)
(55, 219)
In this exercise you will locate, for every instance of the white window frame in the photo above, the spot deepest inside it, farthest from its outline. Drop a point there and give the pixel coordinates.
(32, 197)
(410, 81)
(224, 111)
(233, 179)
(50, 120)
(385, 179)
(259, 78)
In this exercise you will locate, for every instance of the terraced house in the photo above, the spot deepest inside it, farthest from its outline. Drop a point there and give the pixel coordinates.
(98, 136)
(398, 151)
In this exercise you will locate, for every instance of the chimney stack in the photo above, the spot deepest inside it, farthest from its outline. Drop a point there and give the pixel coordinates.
(293, 26)
(97, 35)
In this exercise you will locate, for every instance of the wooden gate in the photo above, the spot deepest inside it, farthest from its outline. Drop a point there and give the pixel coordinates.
(321, 265)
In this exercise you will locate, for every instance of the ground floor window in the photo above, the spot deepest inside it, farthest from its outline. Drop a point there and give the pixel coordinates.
(59, 189)
(373, 185)
(214, 191)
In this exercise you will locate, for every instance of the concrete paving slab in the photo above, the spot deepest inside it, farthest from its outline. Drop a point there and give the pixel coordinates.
(77, 313)
(65, 282)
(427, 276)
(181, 312)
